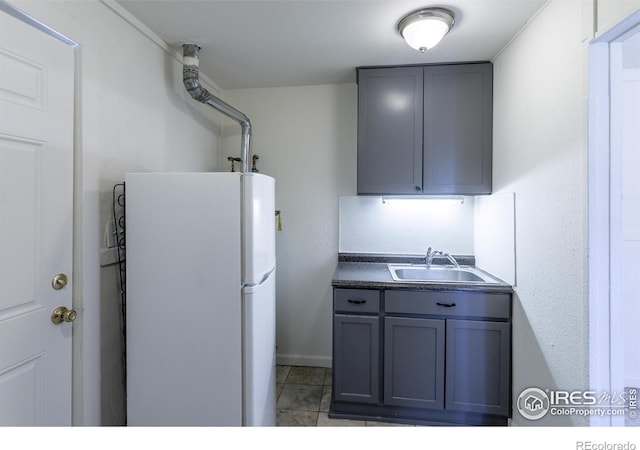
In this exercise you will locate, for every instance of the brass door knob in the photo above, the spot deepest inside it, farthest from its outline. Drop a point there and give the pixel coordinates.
(62, 314)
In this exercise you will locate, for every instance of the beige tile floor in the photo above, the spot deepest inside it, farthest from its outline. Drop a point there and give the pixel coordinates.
(304, 397)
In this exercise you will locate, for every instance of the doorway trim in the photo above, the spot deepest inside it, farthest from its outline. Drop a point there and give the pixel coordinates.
(605, 307)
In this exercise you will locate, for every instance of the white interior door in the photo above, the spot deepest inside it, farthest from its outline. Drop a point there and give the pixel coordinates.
(614, 223)
(36, 211)
(629, 212)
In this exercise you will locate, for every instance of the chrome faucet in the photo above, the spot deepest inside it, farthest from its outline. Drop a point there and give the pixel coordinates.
(430, 255)
(433, 253)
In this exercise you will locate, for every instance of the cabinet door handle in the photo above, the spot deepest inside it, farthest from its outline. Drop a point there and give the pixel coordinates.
(446, 305)
(357, 302)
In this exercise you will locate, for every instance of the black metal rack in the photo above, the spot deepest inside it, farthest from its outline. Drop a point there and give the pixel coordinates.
(119, 223)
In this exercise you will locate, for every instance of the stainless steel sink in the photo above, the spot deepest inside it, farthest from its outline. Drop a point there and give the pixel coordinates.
(439, 274)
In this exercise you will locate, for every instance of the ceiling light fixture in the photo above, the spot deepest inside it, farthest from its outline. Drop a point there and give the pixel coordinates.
(423, 29)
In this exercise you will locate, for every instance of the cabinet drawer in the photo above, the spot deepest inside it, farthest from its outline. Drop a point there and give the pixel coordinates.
(447, 303)
(356, 300)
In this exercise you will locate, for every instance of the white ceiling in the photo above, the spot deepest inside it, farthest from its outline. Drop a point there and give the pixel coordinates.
(266, 43)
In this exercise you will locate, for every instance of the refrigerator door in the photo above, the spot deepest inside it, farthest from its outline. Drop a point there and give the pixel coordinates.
(259, 227)
(184, 299)
(260, 353)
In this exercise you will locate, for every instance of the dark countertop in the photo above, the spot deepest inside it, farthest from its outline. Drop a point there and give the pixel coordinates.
(368, 271)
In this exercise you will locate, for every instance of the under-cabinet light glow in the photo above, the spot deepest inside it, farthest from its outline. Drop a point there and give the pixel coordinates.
(453, 200)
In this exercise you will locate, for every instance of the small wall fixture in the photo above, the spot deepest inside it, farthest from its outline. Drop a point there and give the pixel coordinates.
(423, 29)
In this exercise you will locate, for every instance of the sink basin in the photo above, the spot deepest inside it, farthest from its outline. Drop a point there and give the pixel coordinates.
(439, 274)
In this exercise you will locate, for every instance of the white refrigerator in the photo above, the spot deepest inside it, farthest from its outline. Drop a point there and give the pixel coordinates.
(200, 290)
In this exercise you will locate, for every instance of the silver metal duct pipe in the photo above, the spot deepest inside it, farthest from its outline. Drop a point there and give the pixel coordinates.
(191, 79)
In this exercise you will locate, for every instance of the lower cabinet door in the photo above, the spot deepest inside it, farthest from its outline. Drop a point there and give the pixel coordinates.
(478, 376)
(414, 362)
(356, 358)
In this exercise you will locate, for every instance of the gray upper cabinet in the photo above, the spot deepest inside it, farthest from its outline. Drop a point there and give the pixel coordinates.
(458, 122)
(425, 129)
(390, 130)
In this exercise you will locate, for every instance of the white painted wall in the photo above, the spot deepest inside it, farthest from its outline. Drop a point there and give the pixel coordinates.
(611, 12)
(306, 139)
(407, 226)
(540, 155)
(132, 115)
(494, 235)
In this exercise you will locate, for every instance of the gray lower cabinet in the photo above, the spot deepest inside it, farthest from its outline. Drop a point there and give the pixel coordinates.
(356, 345)
(414, 362)
(422, 356)
(478, 366)
(356, 358)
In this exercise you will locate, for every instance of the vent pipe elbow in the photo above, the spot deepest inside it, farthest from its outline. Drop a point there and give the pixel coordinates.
(191, 80)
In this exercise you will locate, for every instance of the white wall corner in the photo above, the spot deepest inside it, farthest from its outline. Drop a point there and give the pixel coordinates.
(172, 50)
(589, 15)
(495, 235)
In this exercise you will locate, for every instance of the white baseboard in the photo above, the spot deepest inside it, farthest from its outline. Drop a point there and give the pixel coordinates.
(303, 360)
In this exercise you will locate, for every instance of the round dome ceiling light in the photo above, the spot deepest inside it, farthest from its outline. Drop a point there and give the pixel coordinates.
(423, 29)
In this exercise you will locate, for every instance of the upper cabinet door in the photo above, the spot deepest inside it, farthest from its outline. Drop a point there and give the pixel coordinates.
(458, 122)
(390, 117)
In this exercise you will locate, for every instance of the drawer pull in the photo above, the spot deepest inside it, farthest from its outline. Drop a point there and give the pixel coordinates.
(357, 302)
(446, 305)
